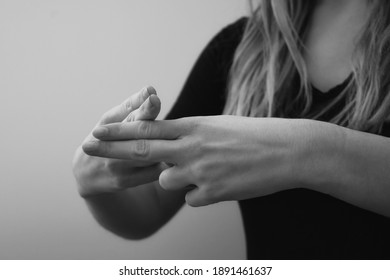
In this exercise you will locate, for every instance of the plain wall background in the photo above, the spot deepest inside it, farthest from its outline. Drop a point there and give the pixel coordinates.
(63, 63)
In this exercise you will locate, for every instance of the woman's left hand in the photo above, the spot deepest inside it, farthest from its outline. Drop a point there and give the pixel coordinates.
(224, 157)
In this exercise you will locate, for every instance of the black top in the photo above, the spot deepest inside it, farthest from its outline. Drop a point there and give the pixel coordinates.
(292, 224)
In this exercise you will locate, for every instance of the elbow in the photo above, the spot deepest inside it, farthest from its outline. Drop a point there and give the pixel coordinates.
(131, 230)
(134, 234)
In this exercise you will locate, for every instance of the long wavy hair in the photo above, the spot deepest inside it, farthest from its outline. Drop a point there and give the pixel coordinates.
(269, 59)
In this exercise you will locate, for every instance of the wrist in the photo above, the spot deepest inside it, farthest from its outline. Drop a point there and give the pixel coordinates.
(319, 155)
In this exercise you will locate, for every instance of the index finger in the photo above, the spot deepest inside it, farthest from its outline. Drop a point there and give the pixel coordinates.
(140, 150)
(164, 129)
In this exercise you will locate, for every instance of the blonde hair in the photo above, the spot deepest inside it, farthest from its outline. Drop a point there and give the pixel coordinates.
(269, 59)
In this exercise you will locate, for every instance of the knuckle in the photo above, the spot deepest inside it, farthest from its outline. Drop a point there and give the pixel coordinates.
(200, 172)
(118, 182)
(123, 109)
(190, 124)
(131, 117)
(196, 145)
(141, 149)
(144, 128)
(128, 104)
(119, 129)
(112, 166)
(193, 124)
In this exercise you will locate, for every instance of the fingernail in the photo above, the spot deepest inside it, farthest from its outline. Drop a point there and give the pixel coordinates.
(90, 146)
(151, 90)
(100, 131)
(154, 101)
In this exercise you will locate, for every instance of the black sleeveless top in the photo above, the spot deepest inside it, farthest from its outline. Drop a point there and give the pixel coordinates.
(292, 224)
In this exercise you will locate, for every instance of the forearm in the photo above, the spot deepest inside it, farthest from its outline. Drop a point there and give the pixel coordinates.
(122, 214)
(136, 212)
(350, 165)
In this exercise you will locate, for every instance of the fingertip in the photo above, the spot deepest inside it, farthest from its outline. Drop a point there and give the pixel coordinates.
(100, 132)
(151, 90)
(155, 101)
(89, 147)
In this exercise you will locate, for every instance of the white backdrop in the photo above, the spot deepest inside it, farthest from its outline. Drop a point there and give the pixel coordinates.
(62, 64)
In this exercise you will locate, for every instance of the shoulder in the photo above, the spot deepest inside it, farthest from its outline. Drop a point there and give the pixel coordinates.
(230, 36)
(232, 32)
(220, 51)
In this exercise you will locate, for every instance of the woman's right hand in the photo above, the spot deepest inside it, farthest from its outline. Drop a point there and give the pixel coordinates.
(96, 175)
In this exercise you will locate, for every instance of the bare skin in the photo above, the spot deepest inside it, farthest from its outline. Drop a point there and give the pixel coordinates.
(124, 195)
(335, 27)
(123, 176)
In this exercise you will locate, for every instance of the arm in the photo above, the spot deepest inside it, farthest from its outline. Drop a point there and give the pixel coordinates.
(135, 213)
(109, 187)
(235, 158)
(142, 206)
(350, 165)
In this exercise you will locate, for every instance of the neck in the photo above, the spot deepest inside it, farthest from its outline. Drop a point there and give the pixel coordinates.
(332, 36)
(344, 6)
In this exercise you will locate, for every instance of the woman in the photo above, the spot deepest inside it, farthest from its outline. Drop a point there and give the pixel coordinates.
(303, 143)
